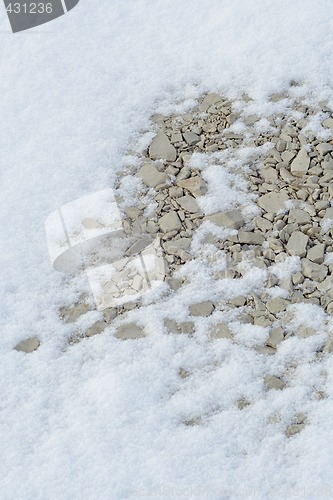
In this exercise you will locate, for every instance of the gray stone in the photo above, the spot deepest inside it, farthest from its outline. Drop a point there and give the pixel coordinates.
(250, 238)
(171, 325)
(269, 174)
(265, 349)
(209, 101)
(277, 305)
(231, 219)
(109, 315)
(186, 327)
(162, 149)
(273, 202)
(291, 430)
(175, 246)
(297, 244)
(276, 336)
(317, 272)
(96, 329)
(324, 148)
(132, 212)
(299, 216)
(188, 204)
(191, 138)
(273, 382)
(130, 331)
(238, 301)
(202, 308)
(263, 224)
(300, 164)
(170, 222)
(316, 253)
(151, 176)
(28, 345)
(195, 185)
(328, 123)
(305, 332)
(221, 331)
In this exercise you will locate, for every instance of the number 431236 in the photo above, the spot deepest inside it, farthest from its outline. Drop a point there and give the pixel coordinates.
(29, 8)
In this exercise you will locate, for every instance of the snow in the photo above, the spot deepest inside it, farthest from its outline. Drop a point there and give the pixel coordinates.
(104, 418)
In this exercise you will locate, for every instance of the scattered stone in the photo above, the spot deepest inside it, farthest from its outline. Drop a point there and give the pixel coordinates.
(151, 176)
(195, 185)
(170, 222)
(294, 429)
(188, 204)
(221, 331)
(305, 331)
(316, 253)
(300, 164)
(130, 331)
(297, 244)
(299, 216)
(273, 202)
(96, 329)
(231, 219)
(191, 139)
(276, 336)
(324, 148)
(28, 345)
(250, 238)
(273, 382)
(162, 149)
(209, 101)
(202, 308)
(316, 272)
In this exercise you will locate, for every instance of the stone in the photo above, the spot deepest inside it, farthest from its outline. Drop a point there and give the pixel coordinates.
(273, 202)
(221, 331)
(273, 382)
(305, 331)
(96, 329)
(297, 278)
(291, 430)
(195, 185)
(317, 272)
(250, 238)
(277, 305)
(28, 345)
(265, 349)
(191, 138)
(299, 216)
(175, 246)
(204, 308)
(151, 176)
(263, 224)
(209, 101)
(269, 174)
(132, 212)
(129, 331)
(276, 336)
(231, 219)
(238, 301)
(324, 148)
(162, 149)
(171, 325)
(170, 222)
(109, 314)
(188, 204)
(186, 327)
(328, 123)
(316, 253)
(72, 314)
(300, 164)
(297, 244)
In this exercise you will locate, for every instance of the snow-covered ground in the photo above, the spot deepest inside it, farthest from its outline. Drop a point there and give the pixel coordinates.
(103, 419)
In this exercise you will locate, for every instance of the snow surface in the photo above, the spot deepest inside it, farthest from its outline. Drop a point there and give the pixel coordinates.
(103, 419)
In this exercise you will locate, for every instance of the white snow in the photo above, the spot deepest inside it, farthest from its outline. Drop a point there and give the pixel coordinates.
(103, 419)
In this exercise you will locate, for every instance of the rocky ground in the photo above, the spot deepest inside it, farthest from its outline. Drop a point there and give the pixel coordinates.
(279, 229)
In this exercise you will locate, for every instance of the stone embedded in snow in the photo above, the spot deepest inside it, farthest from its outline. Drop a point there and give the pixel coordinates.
(151, 176)
(250, 238)
(300, 164)
(221, 331)
(273, 202)
(299, 216)
(202, 308)
(317, 272)
(291, 430)
(195, 185)
(273, 382)
(276, 336)
(316, 253)
(186, 327)
(130, 331)
(96, 329)
(231, 219)
(305, 332)
(28, 345)
(162, 149)
(170, 222)
(175, 246)
(277, 305)
(208, 101)
(188, 204)
(297, 244)
(191, 138)
(324, 148)
(171, 325)
(328, 123)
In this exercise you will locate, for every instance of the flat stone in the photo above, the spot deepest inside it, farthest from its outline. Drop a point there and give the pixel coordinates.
(277, 305)
(305, 331)
(96, 329)
(273, 382)
(175, 246)
(162, 149)
(209, 101)
(151, 176)
(204, 308)
(170, 222)
(300, 164)
(265, 349)
(187, 327)
(231, 219)
(188, 204)
(299, 216)
(171, 325)
(291, 430)
(317, 272)
(328, 123)
(276, 336)
(238, 301)
(191, 138)
(263, 224)
(195, 185)
(273, 202)
(316, 253)
(221, 331)
(297, 244)
(250, 238)
(132, 212)
(269, 174)
(72, 313)
(28, 345)
(324, 148)
(329, 213)
(130, 331)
